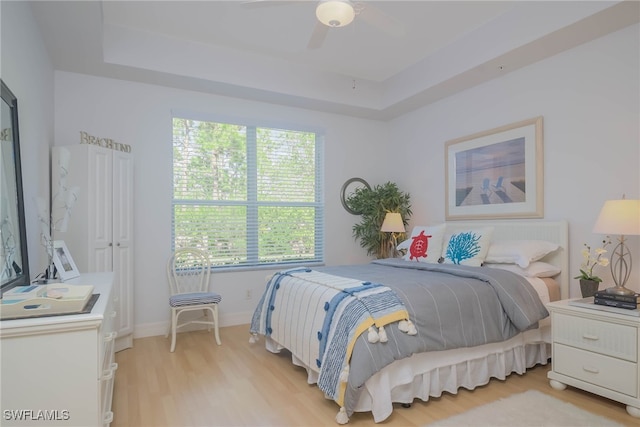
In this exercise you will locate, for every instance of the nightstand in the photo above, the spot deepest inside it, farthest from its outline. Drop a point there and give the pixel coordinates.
(596, 351)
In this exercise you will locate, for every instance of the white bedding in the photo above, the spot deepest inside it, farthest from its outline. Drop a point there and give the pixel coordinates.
(541, 288)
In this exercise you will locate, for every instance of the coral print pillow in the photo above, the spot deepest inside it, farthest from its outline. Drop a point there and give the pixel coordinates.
(468, 247)
(425, 244)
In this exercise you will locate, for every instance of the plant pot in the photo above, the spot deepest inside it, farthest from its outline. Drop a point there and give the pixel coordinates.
(588, 287)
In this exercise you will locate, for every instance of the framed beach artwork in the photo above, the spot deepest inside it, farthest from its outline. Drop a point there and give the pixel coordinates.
(64, 263)
(496, 173)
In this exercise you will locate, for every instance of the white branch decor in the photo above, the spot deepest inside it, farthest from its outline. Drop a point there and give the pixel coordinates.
(62, 201)
(8, 246)
(64, 198)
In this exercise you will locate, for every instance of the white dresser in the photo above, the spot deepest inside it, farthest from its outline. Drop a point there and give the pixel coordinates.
(59, 370)
(596, 351)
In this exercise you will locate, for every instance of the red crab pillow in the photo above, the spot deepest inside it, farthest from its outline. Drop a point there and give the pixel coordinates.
(425, 244)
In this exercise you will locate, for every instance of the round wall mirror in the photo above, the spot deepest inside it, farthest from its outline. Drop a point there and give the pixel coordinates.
(348, 188)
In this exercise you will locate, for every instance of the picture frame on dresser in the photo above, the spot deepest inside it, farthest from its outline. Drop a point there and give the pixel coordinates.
(63, 261)
(496, 173)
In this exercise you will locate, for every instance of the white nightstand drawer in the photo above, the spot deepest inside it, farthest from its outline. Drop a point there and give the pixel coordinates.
(607, 338)
(604, 371)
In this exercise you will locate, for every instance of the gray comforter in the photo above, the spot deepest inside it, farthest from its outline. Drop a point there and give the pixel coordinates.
(451, 306)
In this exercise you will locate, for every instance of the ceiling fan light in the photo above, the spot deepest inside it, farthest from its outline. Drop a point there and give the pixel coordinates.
(335, 13)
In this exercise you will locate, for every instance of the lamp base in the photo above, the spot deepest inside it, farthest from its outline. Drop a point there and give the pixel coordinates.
(620, 290)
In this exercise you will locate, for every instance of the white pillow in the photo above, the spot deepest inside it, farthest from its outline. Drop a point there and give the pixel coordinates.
(521, 252)
(404, 245)
(535, 269)
(425, 244)
(468, 247)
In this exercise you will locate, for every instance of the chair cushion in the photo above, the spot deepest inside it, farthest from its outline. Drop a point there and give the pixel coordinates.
(194, 298)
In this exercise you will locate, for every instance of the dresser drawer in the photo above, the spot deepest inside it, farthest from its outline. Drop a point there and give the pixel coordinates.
(107, 338)
(604, 371)
(620, 341)
(108, 355)
(106, 385)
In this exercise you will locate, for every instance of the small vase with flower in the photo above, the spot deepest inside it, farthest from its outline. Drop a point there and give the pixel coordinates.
(589, 282)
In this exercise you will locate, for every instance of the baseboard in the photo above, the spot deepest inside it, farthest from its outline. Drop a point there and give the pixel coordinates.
(161, 328)
(123, 343)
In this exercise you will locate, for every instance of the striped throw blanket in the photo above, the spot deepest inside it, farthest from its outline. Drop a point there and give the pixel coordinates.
(318, 317)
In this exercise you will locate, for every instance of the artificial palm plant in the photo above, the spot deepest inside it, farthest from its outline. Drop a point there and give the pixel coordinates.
(373, 204)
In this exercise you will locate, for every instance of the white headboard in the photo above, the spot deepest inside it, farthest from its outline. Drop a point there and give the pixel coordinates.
(553, 231)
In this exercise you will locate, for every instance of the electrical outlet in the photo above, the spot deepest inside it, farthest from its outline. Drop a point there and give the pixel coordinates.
(248, 294)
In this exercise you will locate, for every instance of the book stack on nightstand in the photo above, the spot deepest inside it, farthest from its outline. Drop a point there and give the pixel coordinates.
(629, 302)
(590, 303)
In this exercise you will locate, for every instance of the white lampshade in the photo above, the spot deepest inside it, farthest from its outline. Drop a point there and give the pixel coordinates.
(619, 217)
(392, 223)
(335, 13)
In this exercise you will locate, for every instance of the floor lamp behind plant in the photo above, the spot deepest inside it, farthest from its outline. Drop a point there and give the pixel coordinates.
(621, 217)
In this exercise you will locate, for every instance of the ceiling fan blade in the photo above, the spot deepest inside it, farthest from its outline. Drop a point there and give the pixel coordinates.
(379, 19)
(255, 4)
(317, 37)
(252, 4)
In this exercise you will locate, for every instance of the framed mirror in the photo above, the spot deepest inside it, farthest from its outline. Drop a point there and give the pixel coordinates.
(14, 261)
(348, 188)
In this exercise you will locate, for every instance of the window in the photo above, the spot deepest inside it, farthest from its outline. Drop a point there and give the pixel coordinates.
(251, 196)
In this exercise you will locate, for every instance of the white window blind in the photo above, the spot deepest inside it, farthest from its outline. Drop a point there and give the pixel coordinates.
(251, 196)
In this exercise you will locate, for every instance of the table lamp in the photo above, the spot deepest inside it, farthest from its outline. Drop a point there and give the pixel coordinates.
(393, 224)
(620, 217)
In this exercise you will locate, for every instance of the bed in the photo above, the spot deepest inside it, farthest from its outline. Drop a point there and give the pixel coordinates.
(368, 336)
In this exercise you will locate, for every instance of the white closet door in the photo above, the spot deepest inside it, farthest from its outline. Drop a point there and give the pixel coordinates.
(123, 241)
(101, 228)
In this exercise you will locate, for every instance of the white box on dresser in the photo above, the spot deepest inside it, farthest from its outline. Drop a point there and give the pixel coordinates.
(59, 370)
(596, 351)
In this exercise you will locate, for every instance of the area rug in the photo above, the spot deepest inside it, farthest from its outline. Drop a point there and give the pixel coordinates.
(531, 408)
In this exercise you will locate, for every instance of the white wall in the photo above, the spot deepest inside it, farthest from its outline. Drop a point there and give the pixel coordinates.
(589, 97)
(27, 71)
(140, 115)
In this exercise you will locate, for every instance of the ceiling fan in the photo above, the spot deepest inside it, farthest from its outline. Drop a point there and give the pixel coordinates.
(340, 13)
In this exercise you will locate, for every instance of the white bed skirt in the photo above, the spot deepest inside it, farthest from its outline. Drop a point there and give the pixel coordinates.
(425, 375)
(429, 374)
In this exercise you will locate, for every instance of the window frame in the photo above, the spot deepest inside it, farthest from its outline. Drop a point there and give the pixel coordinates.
(253, 232)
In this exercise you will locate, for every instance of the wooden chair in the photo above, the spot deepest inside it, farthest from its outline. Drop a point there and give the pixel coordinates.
(188, 271)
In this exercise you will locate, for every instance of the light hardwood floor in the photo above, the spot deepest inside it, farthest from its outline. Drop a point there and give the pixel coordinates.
(242, 384)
